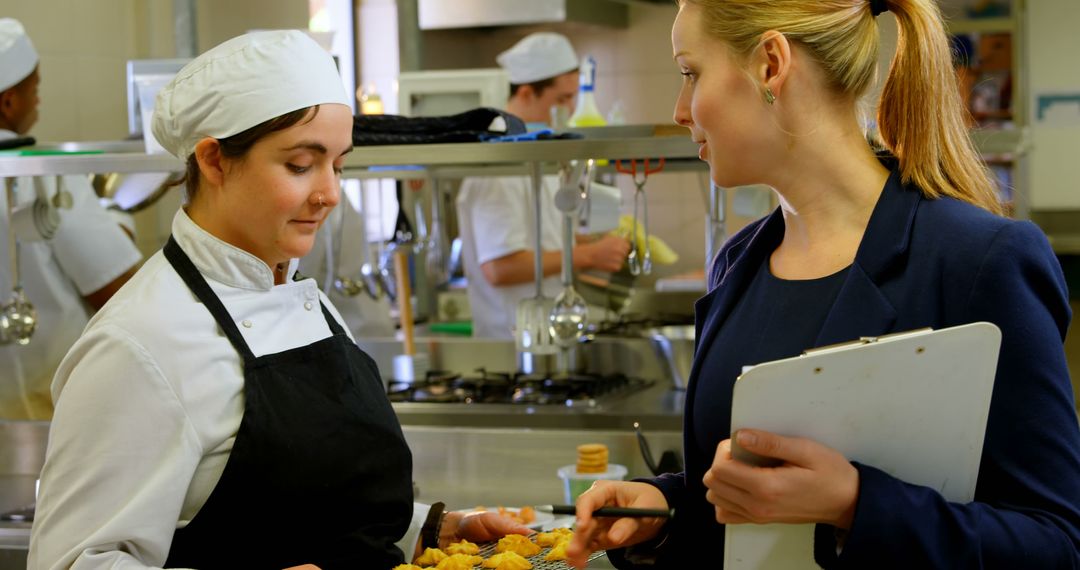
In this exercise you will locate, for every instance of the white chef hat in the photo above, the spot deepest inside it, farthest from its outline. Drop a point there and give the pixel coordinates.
(538, 56)
(17, 56)
(242, 83)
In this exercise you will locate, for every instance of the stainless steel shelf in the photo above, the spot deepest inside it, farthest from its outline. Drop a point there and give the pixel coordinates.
(124, 163)
(459, 154)
(444, 160)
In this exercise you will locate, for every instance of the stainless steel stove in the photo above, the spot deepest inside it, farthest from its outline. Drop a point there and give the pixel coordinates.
(484, 387)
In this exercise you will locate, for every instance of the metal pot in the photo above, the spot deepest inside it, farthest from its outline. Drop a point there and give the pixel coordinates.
(675, 347)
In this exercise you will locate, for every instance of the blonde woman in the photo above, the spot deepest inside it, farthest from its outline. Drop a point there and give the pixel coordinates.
(861, 245)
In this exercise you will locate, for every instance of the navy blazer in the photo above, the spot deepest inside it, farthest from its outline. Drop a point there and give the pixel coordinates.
(926, 263)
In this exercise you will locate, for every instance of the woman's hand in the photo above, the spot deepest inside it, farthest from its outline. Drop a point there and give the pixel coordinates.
(478, 527)
(592, 534)
(814, 484)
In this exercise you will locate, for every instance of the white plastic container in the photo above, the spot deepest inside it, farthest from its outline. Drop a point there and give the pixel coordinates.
(574, 483)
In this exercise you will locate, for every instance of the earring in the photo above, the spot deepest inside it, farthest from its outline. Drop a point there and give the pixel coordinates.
(769, 97)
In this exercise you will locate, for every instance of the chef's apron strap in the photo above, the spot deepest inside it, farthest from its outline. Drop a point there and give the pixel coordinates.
(335, 327)
(198, 285)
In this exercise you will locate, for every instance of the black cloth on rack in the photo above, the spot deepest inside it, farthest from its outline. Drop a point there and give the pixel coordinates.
(17, 142)
(470, 126)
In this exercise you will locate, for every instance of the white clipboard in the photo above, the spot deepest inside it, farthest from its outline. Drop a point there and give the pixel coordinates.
(911, 404)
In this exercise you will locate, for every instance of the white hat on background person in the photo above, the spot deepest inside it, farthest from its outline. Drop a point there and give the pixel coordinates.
(241, 83)
(538, 56)
(18, 59)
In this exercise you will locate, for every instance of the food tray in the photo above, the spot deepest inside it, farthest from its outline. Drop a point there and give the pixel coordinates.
(538, 562)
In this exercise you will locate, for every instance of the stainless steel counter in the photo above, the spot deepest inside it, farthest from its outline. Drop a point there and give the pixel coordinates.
(465, 466)
(658, 407)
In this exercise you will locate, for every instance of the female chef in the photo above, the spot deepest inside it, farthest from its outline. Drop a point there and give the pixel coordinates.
(216, 413)
(861, 245)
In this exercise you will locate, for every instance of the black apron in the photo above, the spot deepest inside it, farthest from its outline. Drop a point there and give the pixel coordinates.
(319, 471)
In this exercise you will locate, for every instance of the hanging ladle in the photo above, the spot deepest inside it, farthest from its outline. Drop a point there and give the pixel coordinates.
(18, 319)
(369, 273)
(569, 315)
(347, 286)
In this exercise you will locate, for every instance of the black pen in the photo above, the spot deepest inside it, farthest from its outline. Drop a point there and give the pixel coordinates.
(608, 511)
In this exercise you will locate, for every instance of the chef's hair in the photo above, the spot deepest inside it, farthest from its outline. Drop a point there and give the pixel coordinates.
(921, 117)
(238, 145)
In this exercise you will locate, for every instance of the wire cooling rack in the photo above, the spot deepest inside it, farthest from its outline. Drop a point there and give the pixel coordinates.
(538, 562)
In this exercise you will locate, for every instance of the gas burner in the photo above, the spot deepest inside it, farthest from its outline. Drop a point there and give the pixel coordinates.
(484, 387)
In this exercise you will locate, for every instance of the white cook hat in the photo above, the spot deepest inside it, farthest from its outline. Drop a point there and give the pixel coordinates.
(241, 83)
(538, 56)
(17, 56)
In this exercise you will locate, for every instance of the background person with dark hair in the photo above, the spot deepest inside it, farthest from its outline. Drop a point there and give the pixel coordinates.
(67, 276)
(496, 214)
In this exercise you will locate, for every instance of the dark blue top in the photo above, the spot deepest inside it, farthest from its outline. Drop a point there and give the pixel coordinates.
(921, 263)
(775, 319)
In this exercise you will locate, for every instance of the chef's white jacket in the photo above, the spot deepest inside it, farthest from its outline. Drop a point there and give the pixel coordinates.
(496, 218)
(88, 252)
(147, 411)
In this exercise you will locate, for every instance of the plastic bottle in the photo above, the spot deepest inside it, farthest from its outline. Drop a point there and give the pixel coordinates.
(586, 114)
(615, 116)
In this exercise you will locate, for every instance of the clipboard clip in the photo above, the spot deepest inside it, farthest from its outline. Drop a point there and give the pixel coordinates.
(866, 340)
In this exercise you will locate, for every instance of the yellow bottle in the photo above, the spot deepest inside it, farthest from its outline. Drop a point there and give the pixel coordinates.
(586, 114)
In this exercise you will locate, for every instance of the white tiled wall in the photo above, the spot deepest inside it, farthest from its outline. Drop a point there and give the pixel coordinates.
(85, 44)
(83, 47)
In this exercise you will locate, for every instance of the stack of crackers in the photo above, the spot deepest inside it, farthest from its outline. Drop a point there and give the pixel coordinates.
(592, 458)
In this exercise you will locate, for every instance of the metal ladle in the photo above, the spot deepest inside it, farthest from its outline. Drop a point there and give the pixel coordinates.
(347, 286)
(18, 319)
(369, 274)
(570, 313)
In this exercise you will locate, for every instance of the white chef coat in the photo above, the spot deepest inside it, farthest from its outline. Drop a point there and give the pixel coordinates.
(88, 252)
(496, 218)
(149, 401)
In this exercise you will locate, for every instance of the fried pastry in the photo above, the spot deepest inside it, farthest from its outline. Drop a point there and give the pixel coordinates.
(558, 552)
(519, 544)
(459, 562)
(407, 567)
(430, 557)
(507, 561)
(463, 547)
(554, 536)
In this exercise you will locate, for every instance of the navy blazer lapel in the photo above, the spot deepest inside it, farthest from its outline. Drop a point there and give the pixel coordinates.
(741, 262)
(861, 309)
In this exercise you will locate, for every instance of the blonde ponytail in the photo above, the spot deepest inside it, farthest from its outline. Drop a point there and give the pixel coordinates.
(920, 118)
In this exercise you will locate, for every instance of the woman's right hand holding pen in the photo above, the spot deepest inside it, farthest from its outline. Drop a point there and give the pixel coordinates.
(601, 533)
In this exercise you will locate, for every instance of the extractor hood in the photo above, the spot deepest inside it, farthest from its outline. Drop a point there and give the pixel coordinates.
(448, 14)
